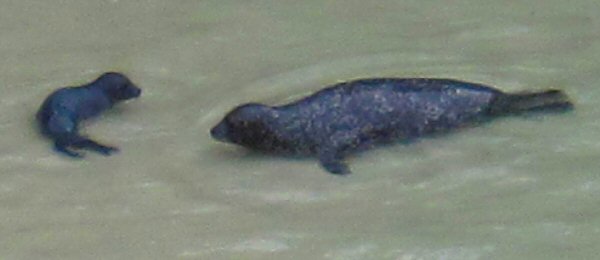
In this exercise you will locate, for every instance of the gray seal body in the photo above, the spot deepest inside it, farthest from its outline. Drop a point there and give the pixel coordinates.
(359, 114)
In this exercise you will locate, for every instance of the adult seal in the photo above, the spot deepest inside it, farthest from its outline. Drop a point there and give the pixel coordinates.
(61, 112)
(359, 114)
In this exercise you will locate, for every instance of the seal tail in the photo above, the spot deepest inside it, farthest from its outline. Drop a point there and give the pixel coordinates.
(516, 103)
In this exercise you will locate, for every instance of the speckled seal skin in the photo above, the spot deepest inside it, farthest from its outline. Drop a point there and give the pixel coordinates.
(359, 114)
(61, 112)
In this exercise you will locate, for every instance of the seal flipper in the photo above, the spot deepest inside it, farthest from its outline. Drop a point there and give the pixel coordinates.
(334, 165)
(64, 130)
(82, 142)
(61, 147)
(63, 143)
(516, 103)
(61, 127)
(332, 161)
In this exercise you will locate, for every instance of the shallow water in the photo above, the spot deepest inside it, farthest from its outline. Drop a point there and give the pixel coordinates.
(518, 188)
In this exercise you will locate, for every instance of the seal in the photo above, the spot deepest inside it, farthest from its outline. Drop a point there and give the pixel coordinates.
(61, 112)
(357, 115)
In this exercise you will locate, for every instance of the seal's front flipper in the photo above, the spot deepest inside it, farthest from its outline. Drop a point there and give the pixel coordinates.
(62, 148)
(83, 142)
(333, 162)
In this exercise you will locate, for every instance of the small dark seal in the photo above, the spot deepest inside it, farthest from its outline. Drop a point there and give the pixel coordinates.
(359, 114)
(59, 115)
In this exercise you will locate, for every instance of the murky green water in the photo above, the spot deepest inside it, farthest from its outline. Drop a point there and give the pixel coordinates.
(519, 188)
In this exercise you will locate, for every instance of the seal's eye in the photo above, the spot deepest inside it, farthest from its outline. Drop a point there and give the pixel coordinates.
(233, 121)
(238, 123)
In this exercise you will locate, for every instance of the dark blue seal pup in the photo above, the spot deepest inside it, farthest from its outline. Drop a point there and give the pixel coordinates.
(355, 115)
(61, 112)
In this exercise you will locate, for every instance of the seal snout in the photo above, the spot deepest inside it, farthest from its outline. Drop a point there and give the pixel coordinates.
(134, 91)
(220, 132)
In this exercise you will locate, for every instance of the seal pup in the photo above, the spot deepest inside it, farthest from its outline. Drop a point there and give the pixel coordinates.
(61, 112)
(359, 114)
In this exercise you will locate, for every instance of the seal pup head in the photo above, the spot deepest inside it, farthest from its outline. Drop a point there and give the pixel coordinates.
(117, 86)
(246, 125)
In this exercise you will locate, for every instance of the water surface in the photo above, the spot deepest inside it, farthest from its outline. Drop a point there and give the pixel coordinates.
(524, 188)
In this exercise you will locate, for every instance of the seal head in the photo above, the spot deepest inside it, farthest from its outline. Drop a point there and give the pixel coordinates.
(245, 125)
(117, 86)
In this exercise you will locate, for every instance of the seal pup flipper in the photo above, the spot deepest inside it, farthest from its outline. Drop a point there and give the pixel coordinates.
(65, 129)
(516, 103)
(62, 127)
(62, 147)
(83, 142)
